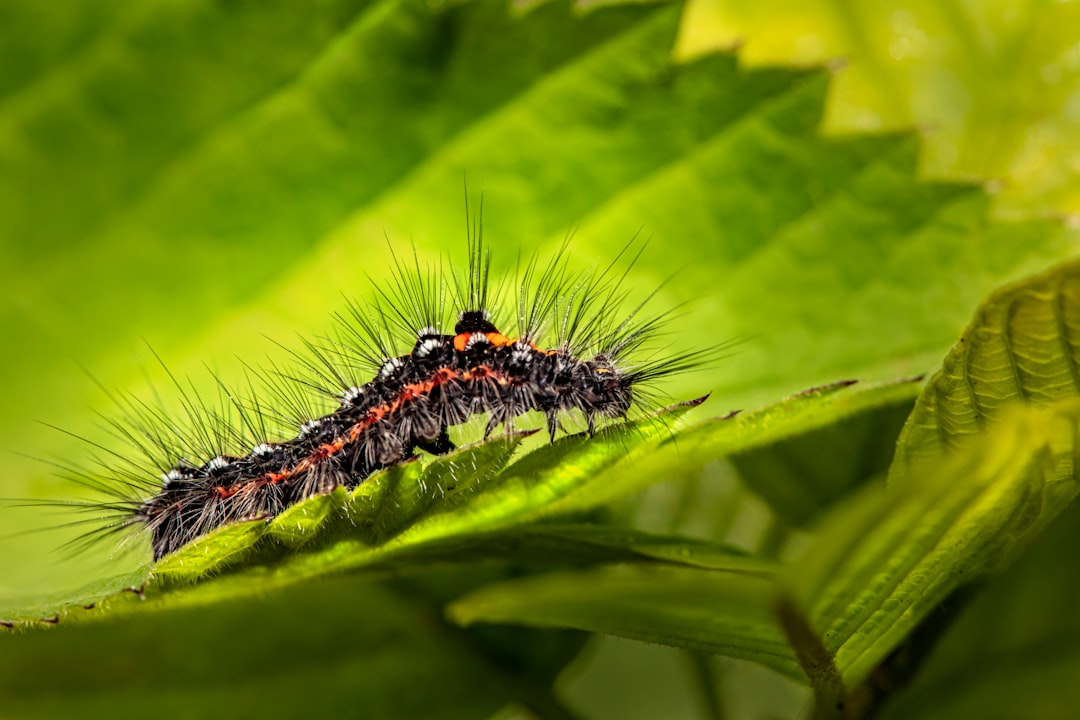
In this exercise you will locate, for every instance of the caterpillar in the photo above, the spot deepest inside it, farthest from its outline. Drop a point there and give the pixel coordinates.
(429, 367)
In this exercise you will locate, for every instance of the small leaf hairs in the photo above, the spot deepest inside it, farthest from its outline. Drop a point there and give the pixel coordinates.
(426, 353)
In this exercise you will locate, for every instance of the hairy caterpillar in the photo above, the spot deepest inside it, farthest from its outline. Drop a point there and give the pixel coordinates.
(433, 367)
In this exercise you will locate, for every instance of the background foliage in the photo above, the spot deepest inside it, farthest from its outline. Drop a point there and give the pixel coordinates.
(993, 85)
(203, 175)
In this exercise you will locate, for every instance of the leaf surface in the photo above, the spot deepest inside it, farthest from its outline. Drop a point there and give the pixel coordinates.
(1023, 346)
(976, 476)
(1013, 650)
(882, 563)
(905, 62)
(714, 612)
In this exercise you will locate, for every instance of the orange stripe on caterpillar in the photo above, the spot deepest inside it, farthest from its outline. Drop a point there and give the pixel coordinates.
(374, 415)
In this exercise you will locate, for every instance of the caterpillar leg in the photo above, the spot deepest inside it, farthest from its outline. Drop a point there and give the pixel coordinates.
(552, 424)
(439, 446)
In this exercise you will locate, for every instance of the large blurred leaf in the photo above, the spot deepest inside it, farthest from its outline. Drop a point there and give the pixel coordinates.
(882, 563)
(993, 82)
(1015, 650)
(353, 644)
(728, 613)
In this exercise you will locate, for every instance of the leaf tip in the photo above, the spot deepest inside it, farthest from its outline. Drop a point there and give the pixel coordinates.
(826, 388)
(689, 403)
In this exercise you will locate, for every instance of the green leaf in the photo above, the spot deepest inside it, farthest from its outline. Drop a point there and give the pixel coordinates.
(299, 524)
(883, 562)
(649, 595)
(466, 504)
(717, 612)
(802, 475)
(358, 643)
(412, 507)
(802, 418)
(879, 566)
(412, 519)
(1023, 345)
(906, 63)
(1013, 650)
(566, 543)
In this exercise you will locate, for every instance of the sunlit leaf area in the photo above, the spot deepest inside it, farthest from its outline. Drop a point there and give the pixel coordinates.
(844, 489)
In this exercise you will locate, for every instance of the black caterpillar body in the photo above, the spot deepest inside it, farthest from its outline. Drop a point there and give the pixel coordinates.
(214, 470)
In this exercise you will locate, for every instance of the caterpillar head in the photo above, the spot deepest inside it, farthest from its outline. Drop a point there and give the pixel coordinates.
(610, 390)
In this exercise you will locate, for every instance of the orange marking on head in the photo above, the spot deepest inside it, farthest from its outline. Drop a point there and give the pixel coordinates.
(460, 341)
(498, 339)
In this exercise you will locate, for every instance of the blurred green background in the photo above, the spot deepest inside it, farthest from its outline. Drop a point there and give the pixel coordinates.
(993, 86)
(205, 178)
